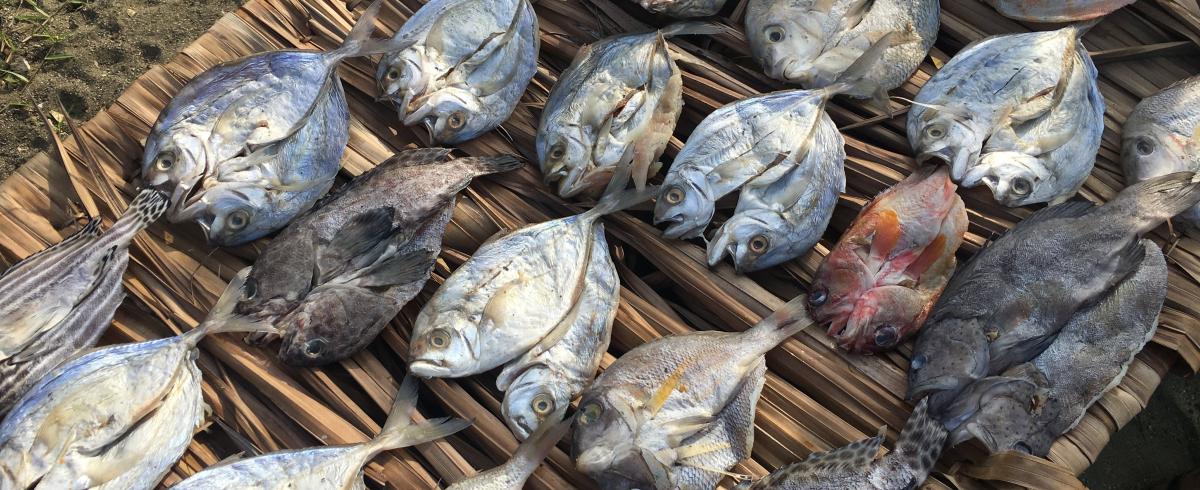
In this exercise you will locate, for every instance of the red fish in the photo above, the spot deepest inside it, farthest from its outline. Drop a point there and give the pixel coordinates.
(881, 279)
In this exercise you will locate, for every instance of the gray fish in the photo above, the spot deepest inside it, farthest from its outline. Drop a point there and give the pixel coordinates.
(856, 465)
(331, 466)
(1005, 305)
(267, 131)
(115, 418)
(783, 212)
(1049, 158)
(812, 42)
(57, 302)
(516, 292)
(998, 82)
(1161, 136)
(340, 273)
(539, 385)
(683, 8)
(1031, 404)
(529, 455)
(654, 411)
(468, 69)
(612, 112)
(1057, 12)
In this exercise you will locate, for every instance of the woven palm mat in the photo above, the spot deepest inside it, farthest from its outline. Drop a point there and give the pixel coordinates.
(816, 397)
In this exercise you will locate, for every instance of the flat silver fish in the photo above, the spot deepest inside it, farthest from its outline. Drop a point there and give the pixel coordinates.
(330, 466)
(1005, 305)
(1057, 11)
(1161, 136)
(683, 8)
(340, 273)
(264, 134)
(1030, 405)
(529, 455)
(467, 71)
(115, 418)
(57, 302)
(515, 291)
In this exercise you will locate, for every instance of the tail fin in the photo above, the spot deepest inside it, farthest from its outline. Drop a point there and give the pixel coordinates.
(399, 431)
(531, 452)
(1080, 28)
(621, 200)
(1153, 201)
(855, 76)
(496, 164)
(785, 322)
(920, 443)
(146, 208)
(359, 43)
(222, 319)
(694, 28)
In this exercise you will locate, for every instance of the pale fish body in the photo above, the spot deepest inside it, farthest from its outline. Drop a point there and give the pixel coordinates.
(468, 70)
(1160, 136)
(253, 115)
(1049, 158)
(1030, 405)
(332, 280)
(539, 385)
(730, 147)
(1004, 306)
(997, 82)
(327, 467)
(1057, 11)
(529, 455)
(783, 212)
(57, 302)
(683, 8)
(668, 404)
(514, 291)
(115, 418)
(788, 50)
(612, 112)
(857, 466)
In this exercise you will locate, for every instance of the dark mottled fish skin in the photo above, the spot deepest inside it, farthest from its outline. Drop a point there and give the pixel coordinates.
(1032, 404)
(86, 270)
(1008, 302)
(854, 466)
(339, 273)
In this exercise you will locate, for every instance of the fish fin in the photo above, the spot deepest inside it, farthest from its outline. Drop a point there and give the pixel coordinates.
(146, 208)
(669, 385)
(694, 28)
(415, 157)
(887, 235)
(700, 449)
(921, 441)
(89, 232)
(622, 200)
(1155, 200)
(851, 458)
(358, 236)
(414, 434)
(400, 416)
(534, 449)
(931, 254)
(495, 164)
(1081, 28)
(1070, 209)
(400, 269)
(788, 320)
(359, 43)
(858, 73)
(221, 317)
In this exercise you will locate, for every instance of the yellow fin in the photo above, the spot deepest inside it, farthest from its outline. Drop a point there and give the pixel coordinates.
(672, 383)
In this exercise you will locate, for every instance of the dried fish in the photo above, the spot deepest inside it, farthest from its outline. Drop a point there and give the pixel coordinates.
(683, 8)
(1161, 136)
(1060, 11)
(529, 455)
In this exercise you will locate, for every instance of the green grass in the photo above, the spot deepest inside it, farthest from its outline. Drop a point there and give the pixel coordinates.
(28, 42)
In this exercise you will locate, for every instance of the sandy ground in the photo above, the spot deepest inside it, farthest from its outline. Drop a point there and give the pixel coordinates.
(108, 43)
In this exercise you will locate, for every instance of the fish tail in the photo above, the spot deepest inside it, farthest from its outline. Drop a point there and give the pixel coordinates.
(1078, 29)
(857, 74)
(495, 164)
(146, 208)
(921, 442)
(222, 319)
(359, 43)
(621, 200)
(399, 431)
(1156, 200)
(694, 28)
(535, 448)
(785, 322)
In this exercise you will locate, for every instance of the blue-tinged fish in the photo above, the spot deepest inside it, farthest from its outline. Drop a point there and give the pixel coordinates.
(529, 455)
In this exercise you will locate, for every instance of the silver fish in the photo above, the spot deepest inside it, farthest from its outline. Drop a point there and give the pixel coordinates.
(656, 408)
(468, 69)
(1030, 405)
(1161, 136)
(782, 213)
(529, 455)
(730, 147)
(856, 465)
(331, 466)
(997, 82)
(340, 273)
(57, 302)
(115, 418)
(612, 112)
(540, 385)
(1049, 158)
(1005, 305)
(265, 133)
(1056, 12)
(683, 8)
(515, 291)
(812, 42)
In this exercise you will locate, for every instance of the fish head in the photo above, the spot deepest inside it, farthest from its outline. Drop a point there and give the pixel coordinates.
(1015, 178)
(565, 156)
(174, 163)
(950, 354)
(683, 8)
(440, 349)
(401, 78)
(1149, 150)
(452, 116)
(235, 213)
(536, 396)
(332, 323)
(604, 441)
(949, 137)
(839, 281)
(786, 38)
(754, 240)
(882, 318)
(686, 203)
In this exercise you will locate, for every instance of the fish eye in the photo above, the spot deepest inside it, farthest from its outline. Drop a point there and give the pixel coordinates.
(393, 74)
(250, 289)
(238, 219)
(759, 244)
(164, 162)
(674, 195)
(886, 336)
(936, 131)
(775, 33)
(818, 297)
(457, 120)
(1021, 186)
(557, 152)
(314, 347)
(1145, 146)
(590, 413)
(918, 361)
(439, 339)
(542, 404)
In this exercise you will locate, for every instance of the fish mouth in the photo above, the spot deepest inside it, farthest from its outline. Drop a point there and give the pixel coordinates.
(937, 389)
(429, 368)
(679, 228)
